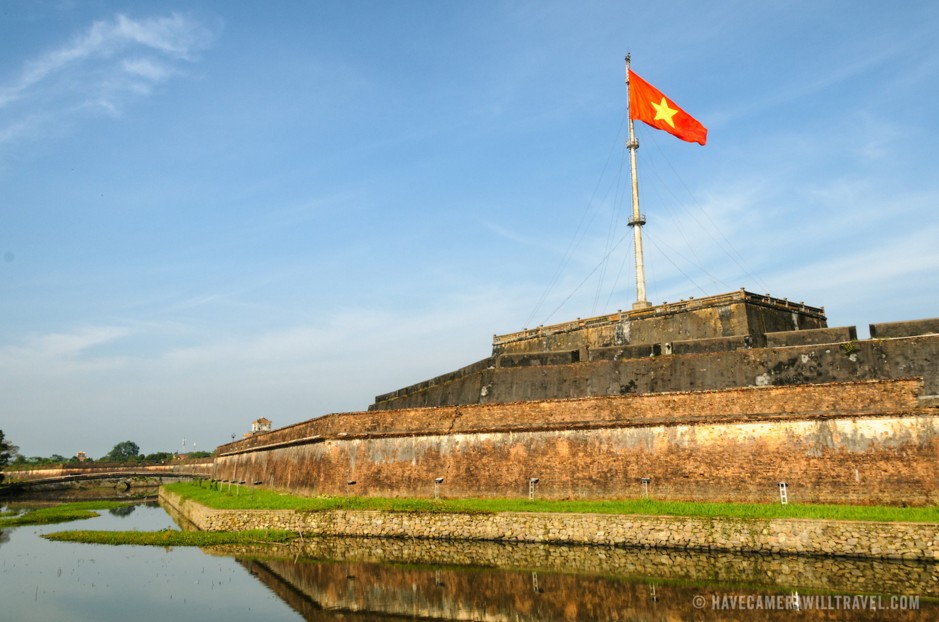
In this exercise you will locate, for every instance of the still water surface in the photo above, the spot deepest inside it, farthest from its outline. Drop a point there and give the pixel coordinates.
(373, 579)
(50, 581)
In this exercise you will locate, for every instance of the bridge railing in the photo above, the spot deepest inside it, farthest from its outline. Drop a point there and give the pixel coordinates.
(200, 466)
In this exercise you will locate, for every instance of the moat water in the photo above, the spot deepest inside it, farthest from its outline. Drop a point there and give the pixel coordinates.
(367, 579)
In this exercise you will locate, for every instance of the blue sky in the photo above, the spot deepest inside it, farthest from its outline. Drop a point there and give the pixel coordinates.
(216, 211)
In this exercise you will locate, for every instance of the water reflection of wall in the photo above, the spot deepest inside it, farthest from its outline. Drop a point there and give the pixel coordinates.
(773, 571)
(90, 492)
(322, 590)
(778, 571)
(457, 594)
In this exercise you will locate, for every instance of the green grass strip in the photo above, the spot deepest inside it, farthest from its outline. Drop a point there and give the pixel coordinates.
(60, 513)
(170, 537)
(250, 498)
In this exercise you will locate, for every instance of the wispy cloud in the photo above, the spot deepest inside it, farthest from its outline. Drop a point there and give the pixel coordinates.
(104, 67)
(147, 69)
(505, 233)
(44, 362)
(60, 346)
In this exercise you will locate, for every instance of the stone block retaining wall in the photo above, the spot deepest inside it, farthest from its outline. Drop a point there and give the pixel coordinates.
(791, 536)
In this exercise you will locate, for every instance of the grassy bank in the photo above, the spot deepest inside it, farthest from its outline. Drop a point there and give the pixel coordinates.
(57, 514)
(248, 498)
(170, 537)
(67, 512)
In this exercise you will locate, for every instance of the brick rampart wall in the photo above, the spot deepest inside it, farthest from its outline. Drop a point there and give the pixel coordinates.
(851, 442)
(657, 408)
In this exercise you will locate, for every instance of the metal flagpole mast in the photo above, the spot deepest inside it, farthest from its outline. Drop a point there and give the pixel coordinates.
(637, 219)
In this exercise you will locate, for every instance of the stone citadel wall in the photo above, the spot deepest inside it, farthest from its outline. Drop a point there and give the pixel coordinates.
(857, 442)
(699, 365)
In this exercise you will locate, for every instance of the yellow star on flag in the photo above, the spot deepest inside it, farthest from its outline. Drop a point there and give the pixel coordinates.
(663, 112)
(664, 115)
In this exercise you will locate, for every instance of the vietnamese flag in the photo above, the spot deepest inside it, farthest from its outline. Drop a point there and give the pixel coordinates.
(646, 103)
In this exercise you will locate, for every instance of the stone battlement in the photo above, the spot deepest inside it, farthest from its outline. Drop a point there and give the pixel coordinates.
(820, 355)
(724, 315)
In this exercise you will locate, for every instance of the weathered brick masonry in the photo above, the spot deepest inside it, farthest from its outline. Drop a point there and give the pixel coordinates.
(867, 442)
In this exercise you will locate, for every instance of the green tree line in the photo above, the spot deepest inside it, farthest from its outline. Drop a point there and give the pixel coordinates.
(125, 451)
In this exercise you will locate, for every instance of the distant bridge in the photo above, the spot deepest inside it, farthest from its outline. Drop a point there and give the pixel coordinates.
(121, 478)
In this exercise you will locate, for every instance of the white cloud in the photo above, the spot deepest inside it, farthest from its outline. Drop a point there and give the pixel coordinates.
(176, 35)
(110, 62)
(45, 349)
(147, 69)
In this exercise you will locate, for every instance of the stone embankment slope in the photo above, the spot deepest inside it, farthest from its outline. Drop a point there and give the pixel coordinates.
(909, 541)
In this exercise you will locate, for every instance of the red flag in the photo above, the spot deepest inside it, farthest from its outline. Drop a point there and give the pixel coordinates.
(646, 103)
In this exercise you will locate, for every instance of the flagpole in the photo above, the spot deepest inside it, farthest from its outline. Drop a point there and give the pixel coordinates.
(637, 220)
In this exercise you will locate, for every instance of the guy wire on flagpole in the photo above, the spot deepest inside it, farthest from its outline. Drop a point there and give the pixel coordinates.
(637, 220)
